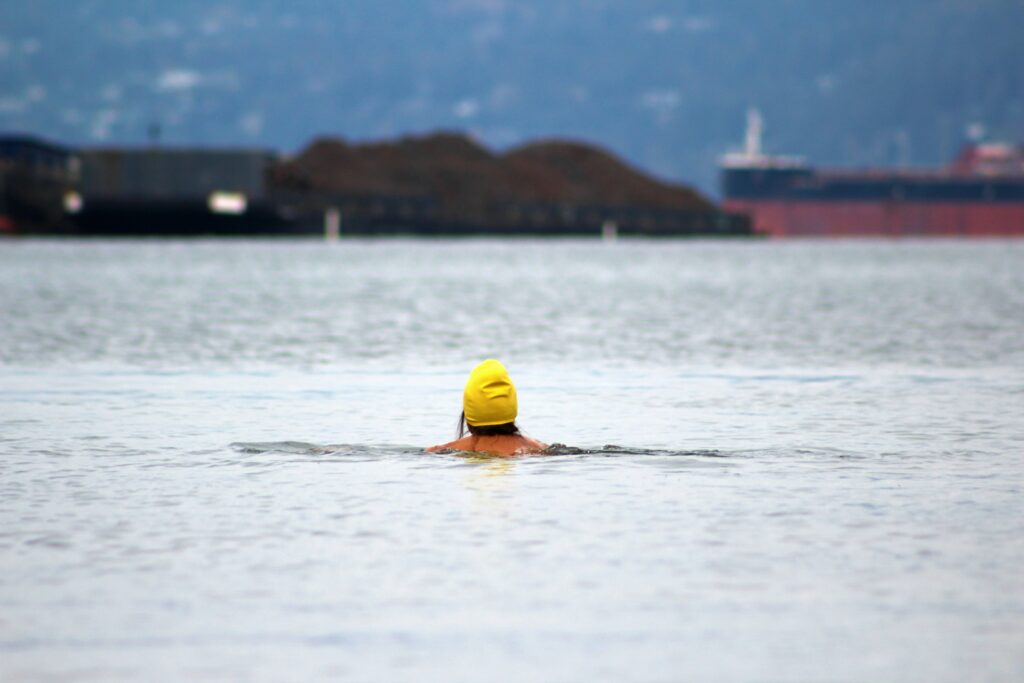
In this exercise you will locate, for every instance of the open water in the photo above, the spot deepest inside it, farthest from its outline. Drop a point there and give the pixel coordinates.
(785, 461)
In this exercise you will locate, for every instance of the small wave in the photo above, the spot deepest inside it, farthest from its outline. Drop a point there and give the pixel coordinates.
(293, 447)
(556, 449)
(611, 449)
(312, 449)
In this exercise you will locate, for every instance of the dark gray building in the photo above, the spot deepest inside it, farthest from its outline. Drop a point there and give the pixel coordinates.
(35, 175)
(159, 191)
(162, 173)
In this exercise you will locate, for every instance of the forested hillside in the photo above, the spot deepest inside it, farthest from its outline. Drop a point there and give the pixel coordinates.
(663, 84)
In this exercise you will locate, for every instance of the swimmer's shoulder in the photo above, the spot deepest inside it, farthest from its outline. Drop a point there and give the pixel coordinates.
(533, 445)
(510, 445)
(463, 444)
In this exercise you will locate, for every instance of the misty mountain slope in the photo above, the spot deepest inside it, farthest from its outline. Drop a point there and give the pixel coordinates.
(665, 85)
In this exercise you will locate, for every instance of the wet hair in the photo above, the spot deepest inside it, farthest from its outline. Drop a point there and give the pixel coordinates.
(507, 429)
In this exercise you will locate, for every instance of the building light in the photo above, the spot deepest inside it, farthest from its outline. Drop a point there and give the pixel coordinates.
(227, 202)
(72, 202)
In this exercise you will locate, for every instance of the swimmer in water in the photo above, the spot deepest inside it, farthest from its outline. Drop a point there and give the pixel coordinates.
(489, 409)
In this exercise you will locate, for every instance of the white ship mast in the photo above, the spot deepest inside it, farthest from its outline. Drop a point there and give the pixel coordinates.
(755, 127)
(752, 154)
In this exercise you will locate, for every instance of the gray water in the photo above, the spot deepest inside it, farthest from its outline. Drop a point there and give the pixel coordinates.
(784, 462)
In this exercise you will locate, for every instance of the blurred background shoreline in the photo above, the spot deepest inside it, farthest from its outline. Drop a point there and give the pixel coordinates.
(487, 116)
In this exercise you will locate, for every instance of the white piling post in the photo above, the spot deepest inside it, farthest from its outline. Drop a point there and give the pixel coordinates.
(332, 224)
(609, 231)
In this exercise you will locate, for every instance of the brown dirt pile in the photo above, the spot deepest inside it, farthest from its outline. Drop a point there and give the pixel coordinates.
(468, 180)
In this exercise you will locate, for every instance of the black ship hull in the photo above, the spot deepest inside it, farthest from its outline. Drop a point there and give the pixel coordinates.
(180, 218)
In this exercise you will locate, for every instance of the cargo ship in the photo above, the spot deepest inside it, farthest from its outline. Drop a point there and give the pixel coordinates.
(980, 194)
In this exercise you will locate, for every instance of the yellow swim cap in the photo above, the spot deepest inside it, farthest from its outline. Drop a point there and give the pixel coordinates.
(490, 396)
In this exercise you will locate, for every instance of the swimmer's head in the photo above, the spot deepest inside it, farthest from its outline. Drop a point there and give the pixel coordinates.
(489, 397)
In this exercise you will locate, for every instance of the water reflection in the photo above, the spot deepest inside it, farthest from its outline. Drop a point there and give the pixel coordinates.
(490, 483)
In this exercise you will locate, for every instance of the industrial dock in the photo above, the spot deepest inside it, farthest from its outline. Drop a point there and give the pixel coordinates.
(436, 185)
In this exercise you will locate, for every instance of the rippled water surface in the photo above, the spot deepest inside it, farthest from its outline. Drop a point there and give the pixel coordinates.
(781, 461)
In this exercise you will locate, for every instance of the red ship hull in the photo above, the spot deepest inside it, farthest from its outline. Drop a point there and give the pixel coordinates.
(831, 218)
